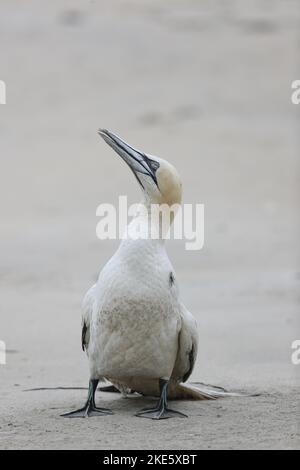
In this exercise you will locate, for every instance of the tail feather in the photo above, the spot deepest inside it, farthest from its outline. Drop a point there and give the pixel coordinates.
(198, 391)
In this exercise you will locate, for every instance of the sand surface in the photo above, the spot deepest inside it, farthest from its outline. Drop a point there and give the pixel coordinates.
(206, 85)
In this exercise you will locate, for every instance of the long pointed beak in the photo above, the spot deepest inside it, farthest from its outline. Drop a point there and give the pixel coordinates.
(136, 160)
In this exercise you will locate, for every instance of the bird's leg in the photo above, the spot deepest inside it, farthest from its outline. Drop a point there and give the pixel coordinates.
(161, 411)
(89, 408)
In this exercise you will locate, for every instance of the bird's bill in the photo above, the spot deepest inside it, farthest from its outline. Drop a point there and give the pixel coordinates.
(139, 163)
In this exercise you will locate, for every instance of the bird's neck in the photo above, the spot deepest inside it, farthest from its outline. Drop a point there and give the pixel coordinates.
(150, 222)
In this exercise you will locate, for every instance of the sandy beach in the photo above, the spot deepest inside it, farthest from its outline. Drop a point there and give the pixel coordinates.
(207, 86)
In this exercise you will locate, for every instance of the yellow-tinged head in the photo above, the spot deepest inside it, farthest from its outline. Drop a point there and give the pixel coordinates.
(158, 179)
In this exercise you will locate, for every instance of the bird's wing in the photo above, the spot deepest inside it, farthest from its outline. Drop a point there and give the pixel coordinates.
(187, 347)
(87, 310)
(186, 357)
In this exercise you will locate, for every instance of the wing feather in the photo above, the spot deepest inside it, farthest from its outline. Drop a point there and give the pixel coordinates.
(87, 311)
(187, 347)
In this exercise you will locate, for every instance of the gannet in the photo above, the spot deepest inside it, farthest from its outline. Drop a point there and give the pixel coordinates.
(135, 330)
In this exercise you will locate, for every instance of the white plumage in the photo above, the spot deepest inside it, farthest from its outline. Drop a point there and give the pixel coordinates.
(136, 331)
(136, 326)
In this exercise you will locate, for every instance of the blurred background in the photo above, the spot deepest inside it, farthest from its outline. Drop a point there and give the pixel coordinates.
(206, 85)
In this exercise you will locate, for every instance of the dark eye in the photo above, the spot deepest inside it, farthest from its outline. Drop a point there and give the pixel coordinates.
(154, 165)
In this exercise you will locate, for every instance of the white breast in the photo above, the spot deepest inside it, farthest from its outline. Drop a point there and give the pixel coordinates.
(136, 317)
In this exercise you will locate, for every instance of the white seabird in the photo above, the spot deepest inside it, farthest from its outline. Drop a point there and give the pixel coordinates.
(135, 329)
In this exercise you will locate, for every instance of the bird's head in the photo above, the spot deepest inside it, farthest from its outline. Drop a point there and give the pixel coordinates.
(159, 180)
